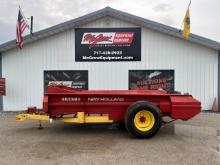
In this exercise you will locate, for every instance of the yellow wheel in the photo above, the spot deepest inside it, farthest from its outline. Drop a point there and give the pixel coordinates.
(144, 120)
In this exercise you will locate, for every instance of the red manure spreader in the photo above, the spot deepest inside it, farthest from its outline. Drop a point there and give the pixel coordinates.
(141, 111)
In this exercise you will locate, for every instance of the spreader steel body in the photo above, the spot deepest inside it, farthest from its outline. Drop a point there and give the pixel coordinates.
(140, 110)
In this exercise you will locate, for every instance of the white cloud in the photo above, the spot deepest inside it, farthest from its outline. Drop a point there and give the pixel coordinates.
(204, 14)
(163, 7)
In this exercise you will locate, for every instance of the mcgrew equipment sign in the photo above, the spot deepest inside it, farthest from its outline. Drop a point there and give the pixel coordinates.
(108, 44)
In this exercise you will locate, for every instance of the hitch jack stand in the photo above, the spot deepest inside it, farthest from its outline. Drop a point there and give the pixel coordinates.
(40, 125)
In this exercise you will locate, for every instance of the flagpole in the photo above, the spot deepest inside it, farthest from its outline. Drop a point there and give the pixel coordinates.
(31, 28)
(189, 3)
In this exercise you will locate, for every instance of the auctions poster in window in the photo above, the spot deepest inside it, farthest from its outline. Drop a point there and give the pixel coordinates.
(152, 79)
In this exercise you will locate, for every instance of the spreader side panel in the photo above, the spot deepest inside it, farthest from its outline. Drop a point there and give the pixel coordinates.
(184, 107)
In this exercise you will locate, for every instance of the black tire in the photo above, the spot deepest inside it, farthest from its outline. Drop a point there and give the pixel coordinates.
(133, 110)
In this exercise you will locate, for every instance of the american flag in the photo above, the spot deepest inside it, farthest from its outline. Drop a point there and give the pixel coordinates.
(21, 26)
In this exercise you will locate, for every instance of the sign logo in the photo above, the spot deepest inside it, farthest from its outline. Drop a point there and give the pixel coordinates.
(107, 44)
(96, 38)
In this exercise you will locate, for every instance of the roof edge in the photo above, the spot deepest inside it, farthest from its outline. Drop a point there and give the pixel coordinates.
(171, 30)
(108, 11)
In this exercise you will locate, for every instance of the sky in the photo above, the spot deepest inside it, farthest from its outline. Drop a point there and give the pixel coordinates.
(204, 13)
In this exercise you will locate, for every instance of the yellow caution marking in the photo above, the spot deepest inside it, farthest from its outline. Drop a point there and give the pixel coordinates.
(81, 118)
(25, 116)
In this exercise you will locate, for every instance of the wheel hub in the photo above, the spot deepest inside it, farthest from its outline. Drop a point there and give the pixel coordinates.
(144, 120)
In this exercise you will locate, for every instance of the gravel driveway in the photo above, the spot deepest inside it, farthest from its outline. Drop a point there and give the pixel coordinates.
(22, 143)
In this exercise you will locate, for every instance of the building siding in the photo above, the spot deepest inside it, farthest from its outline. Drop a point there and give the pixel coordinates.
(196, 67)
